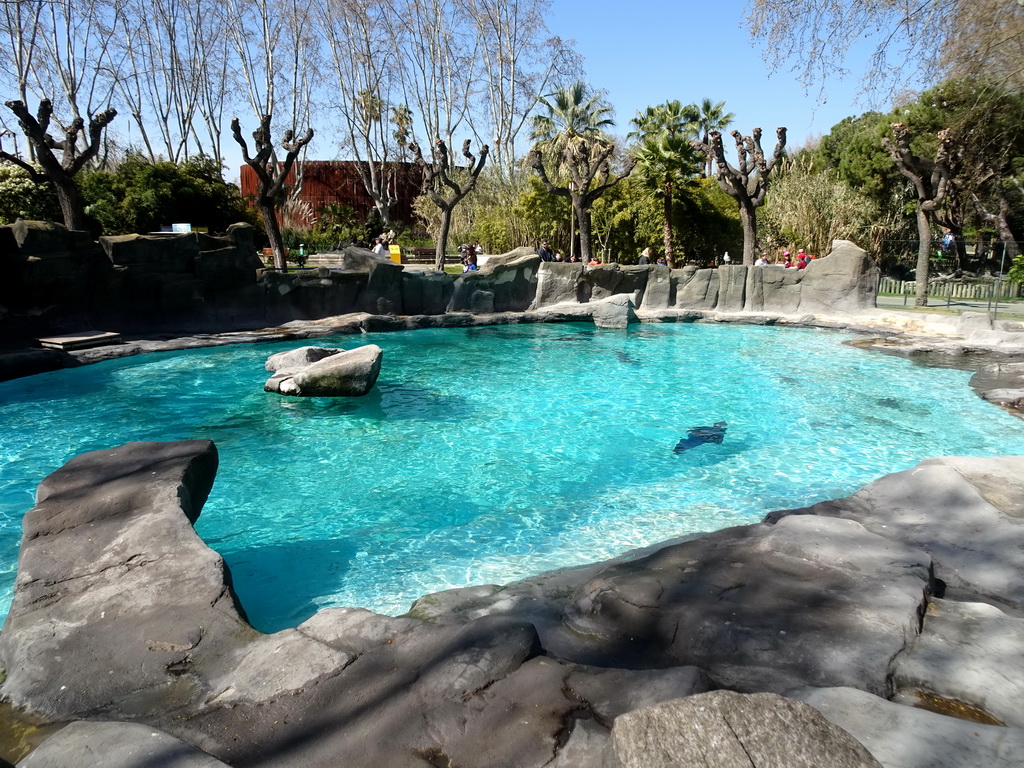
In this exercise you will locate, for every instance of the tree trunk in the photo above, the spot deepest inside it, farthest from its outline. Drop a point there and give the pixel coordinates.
(670, 256)
(572, 230)
(267, 211)
(70, 199)
(960, 249)
(583, 222)
(442, 239)
(1009, 241)
(748, 217)
(924, 253)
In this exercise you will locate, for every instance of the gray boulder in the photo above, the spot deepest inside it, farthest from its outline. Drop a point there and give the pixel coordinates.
(116, 745)
(658, 293)
(634, 282)
(33, 238)
(133, 606)
(557, 282)
(614, 312)
(695, 288)
(759, 610)
(499, 262)
(426, 293)
(843, 281)
(967, 654)
(601, 282)
(509, 279)
(482, 303)
(967, 513)
(614, 692)
(351, 373)
(731, 288)
(908, 737)
(1006, 375)
(297, 359)
(723, 729)
(382, 292)
(1007, 398)
(774, 289)
(972, 322)
(172, 252)
(138, 614)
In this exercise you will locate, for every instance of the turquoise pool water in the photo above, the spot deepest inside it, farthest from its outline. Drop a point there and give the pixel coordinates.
(486, 455)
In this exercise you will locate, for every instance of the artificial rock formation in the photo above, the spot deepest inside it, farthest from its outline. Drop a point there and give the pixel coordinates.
(321, 372)
(841, 597)
(185, 283)
(722, 729)
(505, 283)
(116, 745)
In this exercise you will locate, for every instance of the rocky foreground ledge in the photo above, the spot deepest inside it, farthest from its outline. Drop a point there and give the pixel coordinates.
(821, 636)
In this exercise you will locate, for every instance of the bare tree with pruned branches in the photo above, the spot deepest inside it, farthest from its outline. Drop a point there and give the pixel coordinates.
(447, 184)
(587, 163)
(277, 49)
(931, 40)
(520, 61)
(272, 176)
(59, 172)
(173, 75)
(363, 54)
(747, 181)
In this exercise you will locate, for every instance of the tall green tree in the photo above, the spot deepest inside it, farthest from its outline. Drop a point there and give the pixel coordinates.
(572, 114)
(572, 146)
(930, 178)
(985, 125)
(666, 157)
(141, 196)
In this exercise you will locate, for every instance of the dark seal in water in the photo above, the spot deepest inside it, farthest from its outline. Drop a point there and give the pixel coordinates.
(699, 435)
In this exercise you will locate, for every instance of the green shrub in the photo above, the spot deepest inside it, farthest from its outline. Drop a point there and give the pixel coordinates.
(22, 198)
(140, 196)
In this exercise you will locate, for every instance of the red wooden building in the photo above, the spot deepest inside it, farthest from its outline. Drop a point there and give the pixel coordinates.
(337, 181)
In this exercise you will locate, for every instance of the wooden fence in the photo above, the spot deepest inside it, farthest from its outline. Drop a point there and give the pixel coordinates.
(991, 289)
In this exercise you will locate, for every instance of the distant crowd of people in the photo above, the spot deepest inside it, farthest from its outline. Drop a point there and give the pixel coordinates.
(547, 254)
(647, 256)
(787, 260)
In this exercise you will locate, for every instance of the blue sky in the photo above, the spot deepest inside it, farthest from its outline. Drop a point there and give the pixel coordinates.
(647, 52)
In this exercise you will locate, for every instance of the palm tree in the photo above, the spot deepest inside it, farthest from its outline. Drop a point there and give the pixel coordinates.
(665, 155)
(573, 115)
(571, 135)
(671, 119)
(713, 117)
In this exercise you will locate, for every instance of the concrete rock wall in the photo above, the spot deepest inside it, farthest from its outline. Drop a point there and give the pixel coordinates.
(57, 280)
(843, 281)
(194, 282)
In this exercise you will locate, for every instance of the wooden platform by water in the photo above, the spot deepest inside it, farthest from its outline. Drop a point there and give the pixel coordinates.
(84, 340)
